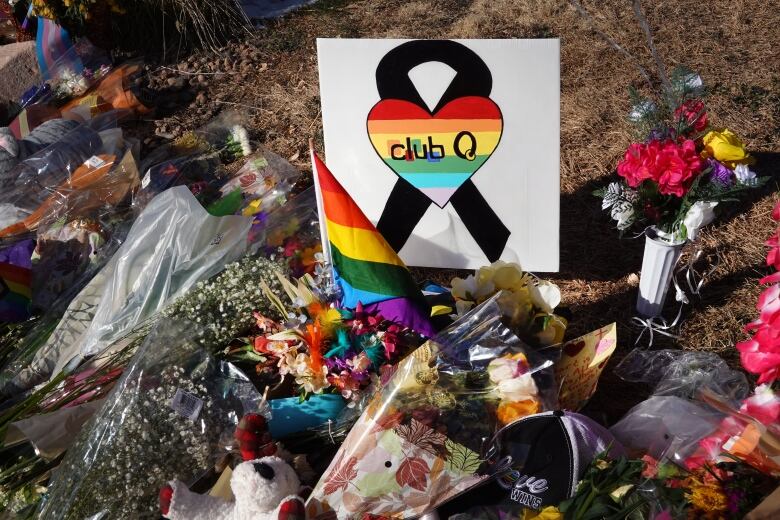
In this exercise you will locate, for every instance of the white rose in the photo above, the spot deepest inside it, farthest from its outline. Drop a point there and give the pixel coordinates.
(520, 388)
(700, 214)
(501, 369)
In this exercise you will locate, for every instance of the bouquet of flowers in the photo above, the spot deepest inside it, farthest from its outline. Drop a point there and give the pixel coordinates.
(169, 417)
(324, 349)
(681, 168)
(527, 303)
(659, 490)
(420, 440)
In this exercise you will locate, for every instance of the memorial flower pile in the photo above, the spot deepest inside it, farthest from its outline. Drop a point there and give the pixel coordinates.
(680, 168)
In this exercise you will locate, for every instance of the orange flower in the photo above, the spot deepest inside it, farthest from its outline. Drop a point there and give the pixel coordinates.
(509, 412)
(313, 339)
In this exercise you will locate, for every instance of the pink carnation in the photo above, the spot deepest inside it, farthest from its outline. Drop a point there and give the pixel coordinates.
(673, 166)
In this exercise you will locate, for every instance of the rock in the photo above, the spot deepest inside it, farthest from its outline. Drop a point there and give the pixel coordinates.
(18, 70)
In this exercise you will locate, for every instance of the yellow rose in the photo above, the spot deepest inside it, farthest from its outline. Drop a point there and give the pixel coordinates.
(548, 513)
(726, 147)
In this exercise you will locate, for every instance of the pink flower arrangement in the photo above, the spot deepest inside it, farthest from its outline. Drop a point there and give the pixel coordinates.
(672, 166)
(680, 168)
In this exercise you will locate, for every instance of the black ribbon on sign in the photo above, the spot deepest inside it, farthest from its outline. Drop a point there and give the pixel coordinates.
(406, 205)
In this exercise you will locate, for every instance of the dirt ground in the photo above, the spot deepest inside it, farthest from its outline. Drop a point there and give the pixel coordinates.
(272, 77)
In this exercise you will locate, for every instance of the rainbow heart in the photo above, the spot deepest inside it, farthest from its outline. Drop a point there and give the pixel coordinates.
(435, 153)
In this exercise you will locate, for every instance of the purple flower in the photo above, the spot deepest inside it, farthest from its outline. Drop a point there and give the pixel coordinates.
(720, 173)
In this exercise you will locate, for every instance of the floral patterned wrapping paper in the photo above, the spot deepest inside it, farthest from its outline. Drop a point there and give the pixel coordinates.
(418, 443)
(392, 464)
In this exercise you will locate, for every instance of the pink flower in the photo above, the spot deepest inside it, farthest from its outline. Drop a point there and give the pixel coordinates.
(763, 405)
(638, 164)
(651, 467)
(673, 166)
(776, 211)
(681, 165)
(773, 256)
(761, 355)
(693, 113)
(769, 306)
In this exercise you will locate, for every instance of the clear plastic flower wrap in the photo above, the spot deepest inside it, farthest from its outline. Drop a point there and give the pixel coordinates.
(419, 442)
(290, 233)
(74, 72)
(172, 245)
(103, 180)
(30, 182)
(70, 252)
(683, 374)
(171, 416)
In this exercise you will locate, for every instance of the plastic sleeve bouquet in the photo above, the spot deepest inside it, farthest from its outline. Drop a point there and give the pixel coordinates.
(418, 442)
(169, 417)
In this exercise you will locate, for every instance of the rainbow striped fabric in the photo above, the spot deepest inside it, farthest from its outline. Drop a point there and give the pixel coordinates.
(53, 44)
(435, 154)
(15, 293)
(366, 268)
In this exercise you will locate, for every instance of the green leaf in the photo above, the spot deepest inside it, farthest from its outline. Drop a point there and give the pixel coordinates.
(461, 460)
(227, 205)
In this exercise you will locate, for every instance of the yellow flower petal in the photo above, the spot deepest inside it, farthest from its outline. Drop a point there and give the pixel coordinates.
(726, 147)
(548, 513)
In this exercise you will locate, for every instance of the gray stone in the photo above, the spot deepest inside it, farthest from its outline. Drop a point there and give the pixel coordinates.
(18, 70)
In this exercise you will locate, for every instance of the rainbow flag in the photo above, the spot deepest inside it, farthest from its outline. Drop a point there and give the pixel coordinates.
(54, 46)
(366, 268)
(15, 293)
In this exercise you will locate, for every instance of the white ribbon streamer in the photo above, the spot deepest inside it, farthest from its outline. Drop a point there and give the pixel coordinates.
(694, 281)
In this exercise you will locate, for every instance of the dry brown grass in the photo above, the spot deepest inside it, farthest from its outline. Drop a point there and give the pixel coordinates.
(731, 43)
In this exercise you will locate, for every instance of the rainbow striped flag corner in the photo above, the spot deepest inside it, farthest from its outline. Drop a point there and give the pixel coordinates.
(15, 293)
(366, 268)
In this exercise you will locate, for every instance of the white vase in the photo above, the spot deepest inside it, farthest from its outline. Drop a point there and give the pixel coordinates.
(658, 264)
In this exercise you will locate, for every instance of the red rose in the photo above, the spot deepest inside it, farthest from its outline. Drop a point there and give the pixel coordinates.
(692, 112)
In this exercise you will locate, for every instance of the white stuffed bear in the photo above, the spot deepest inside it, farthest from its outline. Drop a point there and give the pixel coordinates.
(265, 489)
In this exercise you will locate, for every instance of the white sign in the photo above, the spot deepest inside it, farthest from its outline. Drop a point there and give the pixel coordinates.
(451, 147)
